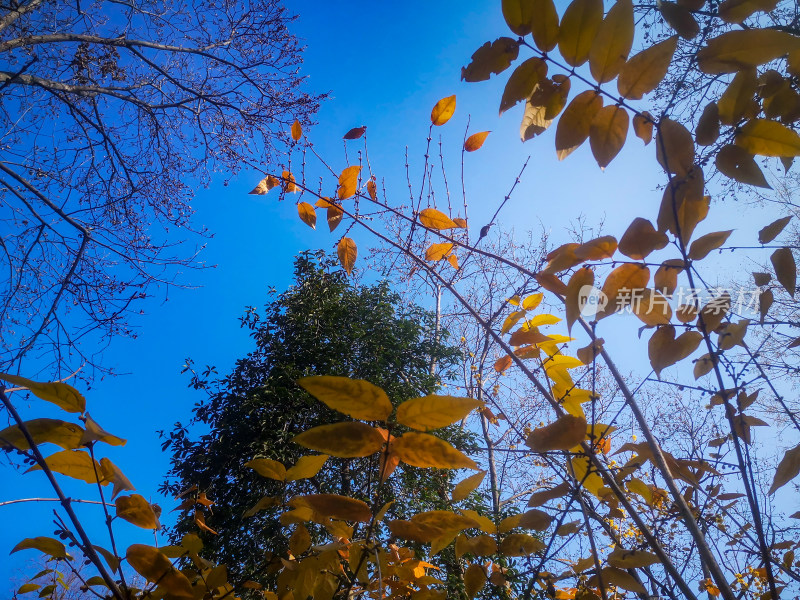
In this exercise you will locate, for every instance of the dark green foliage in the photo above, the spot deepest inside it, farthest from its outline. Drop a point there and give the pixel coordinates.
(323, 325)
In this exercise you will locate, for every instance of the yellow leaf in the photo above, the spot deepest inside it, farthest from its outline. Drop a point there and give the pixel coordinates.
(520, 544)
(155, 567)
(544, 24)
(535, 519)
(680, 19)
(643, 126)
(475, 141)
(532, 301)
(579, 27)
(306, 467)
(675, 147)
(522, 82)
(265, 185)
(453, 260)
(475, 579)
(62, 395)
(436, 219)
(736, 11)
(737, 100)
(28, 587)
(76, 464)
(705, 244)
(334, 506)
(300, 540)
(46, 545)
(640, 239)
(297, 130)
(343, 440)
(43, 431)
(597, 249)
(620, 284)
(768, 138)
(356, 398)
(645, 70)
(565, 433)
(423, 450)
(461, 223)
(608, 131)
(263, 504)
(433, 412)
(518, 15)
(785, 269)
(465, 487)
(334, 216)
(347, 251)
(770, 232)
(443, 110)
(112, 474)
(575, 124)
(652, 308)
(787, 470)
(622, 579)
(707, 131)
(735, 50)
(738, 164)
(437, 252)
(95, 433)
(348, 182)
(492, 57)
(613, 42)
(665, 350)
(307, 214)
(266, 467)
(135, 509)
(572, 301)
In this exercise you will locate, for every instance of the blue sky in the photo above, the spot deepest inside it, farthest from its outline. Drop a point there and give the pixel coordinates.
(386, 64)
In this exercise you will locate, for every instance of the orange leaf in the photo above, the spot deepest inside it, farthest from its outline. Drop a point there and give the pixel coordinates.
(475, 141)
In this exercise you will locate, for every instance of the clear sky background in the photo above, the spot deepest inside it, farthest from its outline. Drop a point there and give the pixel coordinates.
(386, 64)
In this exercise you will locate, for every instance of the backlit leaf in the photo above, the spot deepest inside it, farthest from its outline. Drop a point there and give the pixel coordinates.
(348, 182)
(266, 467)
(578, 29)
(620, 284)
(53, 431)
(343, 440)
(475, 141)
(95, 433)
(334, 506)
(645, 70)
(738, 164)
(674, 147)
(640, 239)
(265, 185)
(787, 470)
(643, 126)
(289, 182)
(701, 247)
(544, 496)
(771, 231)
(465, 487)
(608, 132)
(680, 19)
(424, 450)
(61, 394)
(651, 307)
(785, 269)
(436, 252)
(518, 15)
(135, 509)
(297, 130)
(579, 281)
(492, 57)
(768, 138)
(565, 433)
(155, 567)
(443, 110)
(544, 105)
(112, 474)
(737, 100)
(306, 467)
(47, 545)
(520, 544)
(575, 124)
(307, 214)
(436, 219)
(76, 464)
(522, 82)
(735, 50)
(334, 216)
(612, 44)
(347, 251)
(433, 412)
(597, 249)
(543, 24)
(356, 398)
